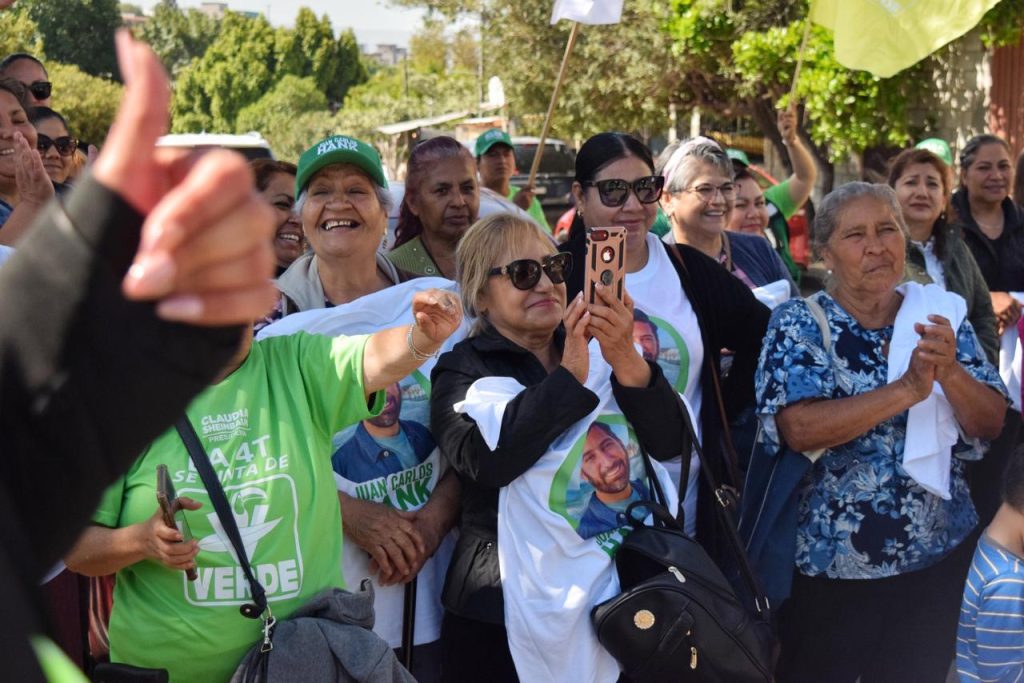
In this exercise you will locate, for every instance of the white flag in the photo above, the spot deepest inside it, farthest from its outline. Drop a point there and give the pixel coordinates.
(588, 11)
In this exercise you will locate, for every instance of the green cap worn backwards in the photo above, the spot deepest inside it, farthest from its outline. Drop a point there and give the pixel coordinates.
(938, 147)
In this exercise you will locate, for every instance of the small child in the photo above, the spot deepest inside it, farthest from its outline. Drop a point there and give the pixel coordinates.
(990, 641)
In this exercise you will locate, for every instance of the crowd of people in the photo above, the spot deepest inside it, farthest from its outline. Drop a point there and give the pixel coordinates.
(444, 414)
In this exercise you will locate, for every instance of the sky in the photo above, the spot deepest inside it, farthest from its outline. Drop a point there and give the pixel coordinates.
(374, 21)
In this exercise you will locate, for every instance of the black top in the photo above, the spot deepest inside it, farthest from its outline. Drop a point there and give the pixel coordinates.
(729, 318)
(87, 380)
(1001, 260)
(550, 404)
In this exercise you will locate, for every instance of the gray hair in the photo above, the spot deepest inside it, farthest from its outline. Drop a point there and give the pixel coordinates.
(683, 164)
(830, 210)
(383, 197)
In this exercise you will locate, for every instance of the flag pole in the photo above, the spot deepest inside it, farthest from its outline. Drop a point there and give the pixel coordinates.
(551, 107)
(799, 64)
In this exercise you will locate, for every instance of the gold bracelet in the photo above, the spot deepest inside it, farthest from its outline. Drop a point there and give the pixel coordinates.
(416, 353)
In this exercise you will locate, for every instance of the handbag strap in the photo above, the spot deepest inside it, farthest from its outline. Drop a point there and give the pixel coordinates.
(223, 509)
(723, 501)
(731, 459)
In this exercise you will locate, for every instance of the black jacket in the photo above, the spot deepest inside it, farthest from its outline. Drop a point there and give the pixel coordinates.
(550, 404)
(729, 318)
(1001, 261)
(963, 277)
(87, 380)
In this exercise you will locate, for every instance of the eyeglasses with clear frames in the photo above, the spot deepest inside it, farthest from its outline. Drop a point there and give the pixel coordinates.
(707, 191)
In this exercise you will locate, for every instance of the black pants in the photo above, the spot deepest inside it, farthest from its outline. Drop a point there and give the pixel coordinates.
(985, 476)
(900, 629)
(475, 651)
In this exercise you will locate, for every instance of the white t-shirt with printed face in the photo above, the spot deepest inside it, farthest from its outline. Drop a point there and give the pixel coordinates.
(679, 351)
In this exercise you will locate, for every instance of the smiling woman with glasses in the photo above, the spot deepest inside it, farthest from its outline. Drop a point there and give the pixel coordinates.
(697, 308)
(512, 283)
(700, 199)
(54, 143)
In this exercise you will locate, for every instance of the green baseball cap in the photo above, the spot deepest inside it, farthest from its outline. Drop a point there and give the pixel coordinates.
(339, 149)
(938, 147)
(738, 155)
(488, 139)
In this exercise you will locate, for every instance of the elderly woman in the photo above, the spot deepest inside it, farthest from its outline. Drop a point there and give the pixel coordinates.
(343, 205)
(923, 183)
(24, 184)
(697, 306)
(877, 512)
(54, 141)
(699, 202)
(266, 426)
(513, 283)
(275, 181)
(442, 199)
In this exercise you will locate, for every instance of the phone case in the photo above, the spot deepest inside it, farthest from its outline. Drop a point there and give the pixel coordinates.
(606, 260)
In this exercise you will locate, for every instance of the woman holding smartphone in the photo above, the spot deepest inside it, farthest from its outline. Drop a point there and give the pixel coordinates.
(687, 307)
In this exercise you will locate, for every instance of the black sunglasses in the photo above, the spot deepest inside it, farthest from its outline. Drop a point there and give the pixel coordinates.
(40, 89)
(615, 191)
(525, 273)
(66, 145)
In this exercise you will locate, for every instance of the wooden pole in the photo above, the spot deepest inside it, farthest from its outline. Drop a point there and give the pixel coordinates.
(799, 65)
(551, 107)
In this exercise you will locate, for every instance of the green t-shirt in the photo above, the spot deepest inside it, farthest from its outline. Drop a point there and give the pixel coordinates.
(661, 226)
(267, 430)
(779, 196)
(535, 210)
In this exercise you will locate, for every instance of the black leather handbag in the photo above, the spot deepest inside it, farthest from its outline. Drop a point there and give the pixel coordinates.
(678, 618)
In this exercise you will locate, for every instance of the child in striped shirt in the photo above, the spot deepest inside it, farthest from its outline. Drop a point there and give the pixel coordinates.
(990, 641)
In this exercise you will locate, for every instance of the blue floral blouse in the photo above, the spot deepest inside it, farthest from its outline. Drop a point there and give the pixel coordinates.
(860, 515)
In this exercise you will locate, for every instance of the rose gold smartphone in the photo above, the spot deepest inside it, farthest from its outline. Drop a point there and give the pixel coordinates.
(606, 260)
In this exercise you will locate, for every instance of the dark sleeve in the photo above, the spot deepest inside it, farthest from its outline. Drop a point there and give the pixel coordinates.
(655, 413)
(983, 317)
(733, 320)
(532, 420)
(87, 378)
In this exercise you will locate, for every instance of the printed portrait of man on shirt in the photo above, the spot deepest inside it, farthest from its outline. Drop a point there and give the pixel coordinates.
(383, 445)
(605, 467)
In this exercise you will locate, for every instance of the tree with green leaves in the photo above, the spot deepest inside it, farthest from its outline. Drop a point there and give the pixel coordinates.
(79, 32)
(178, 36)
(18, 33)
(249, 57)
(290, 116)
(89, 103)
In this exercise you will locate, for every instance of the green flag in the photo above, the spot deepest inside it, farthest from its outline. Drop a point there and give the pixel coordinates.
(887, 36)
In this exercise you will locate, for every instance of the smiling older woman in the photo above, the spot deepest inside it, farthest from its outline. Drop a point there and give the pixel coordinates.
(513, 283)
(343, 204)
(844, 395)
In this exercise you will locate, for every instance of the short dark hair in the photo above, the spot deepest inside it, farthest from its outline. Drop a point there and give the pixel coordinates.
(17, 57)
(1013, 480)
(641, 317)
(37, 114)
(265, 169)
(604, 428)
(17, 89)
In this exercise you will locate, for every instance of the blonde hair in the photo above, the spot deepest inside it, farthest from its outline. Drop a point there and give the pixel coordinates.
(488, 243)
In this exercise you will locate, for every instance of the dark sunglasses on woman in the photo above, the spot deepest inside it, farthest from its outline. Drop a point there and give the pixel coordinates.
(615, 191)
(525, 273)
(66, 145)
(40, 89)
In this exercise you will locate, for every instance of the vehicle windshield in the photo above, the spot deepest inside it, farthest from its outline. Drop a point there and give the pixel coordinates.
(556, 159)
